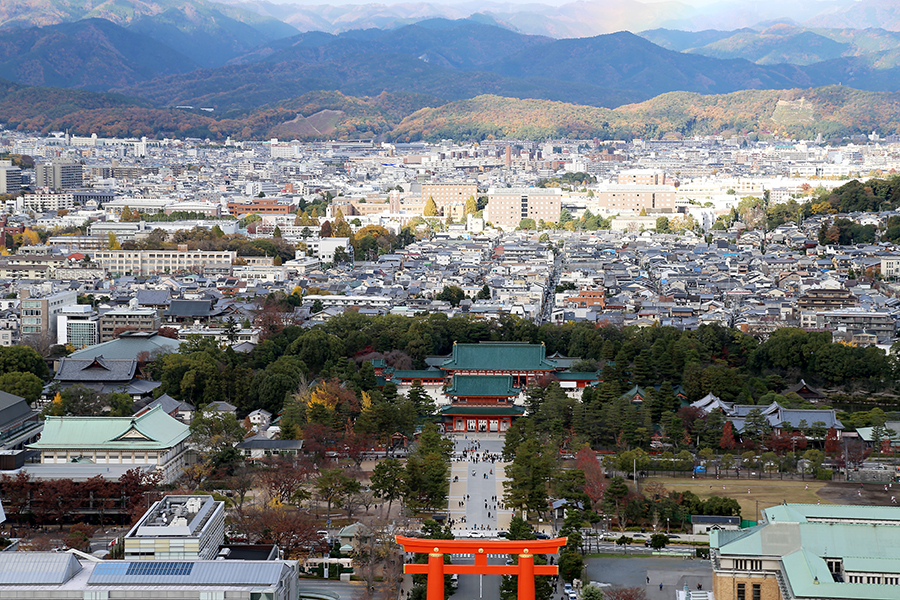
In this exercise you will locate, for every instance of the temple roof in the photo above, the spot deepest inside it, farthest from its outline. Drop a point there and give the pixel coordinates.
(501, 410)
(499, 356)
(494, 386)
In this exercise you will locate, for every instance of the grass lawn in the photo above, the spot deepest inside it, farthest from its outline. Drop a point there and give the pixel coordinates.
(763, 492)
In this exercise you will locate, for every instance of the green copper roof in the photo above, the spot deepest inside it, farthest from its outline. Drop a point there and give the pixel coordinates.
(635, 391)
(153, 430)
(867, 538)
(492, 386)
(421, 374)
(498, 356)
(482, 410)
(574, 376)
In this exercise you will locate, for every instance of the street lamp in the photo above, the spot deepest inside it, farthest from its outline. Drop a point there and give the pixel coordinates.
(667, 525)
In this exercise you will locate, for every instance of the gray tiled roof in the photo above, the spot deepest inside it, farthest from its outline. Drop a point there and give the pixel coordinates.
(12, 409)
(100, 369)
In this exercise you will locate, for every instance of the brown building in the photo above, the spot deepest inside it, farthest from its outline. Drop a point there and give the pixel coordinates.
(588, 298)
(637, 197)
(260, 206)
(826, 299)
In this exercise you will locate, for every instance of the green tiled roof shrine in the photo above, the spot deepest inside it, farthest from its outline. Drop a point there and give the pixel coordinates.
(499, 356)
(482, 410)
(482, 386)
(153, 430)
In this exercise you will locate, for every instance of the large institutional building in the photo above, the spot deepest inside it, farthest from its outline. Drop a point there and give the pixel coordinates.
(810, 552)
(508, 206)
(153, 441)
(157, 262)
(61, 576)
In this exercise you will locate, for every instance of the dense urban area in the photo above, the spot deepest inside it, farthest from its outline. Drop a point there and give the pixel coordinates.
(250, 365)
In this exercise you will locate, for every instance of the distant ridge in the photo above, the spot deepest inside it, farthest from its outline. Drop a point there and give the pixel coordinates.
(832, 111)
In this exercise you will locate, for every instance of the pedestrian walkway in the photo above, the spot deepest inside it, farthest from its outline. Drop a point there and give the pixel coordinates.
(477, 483)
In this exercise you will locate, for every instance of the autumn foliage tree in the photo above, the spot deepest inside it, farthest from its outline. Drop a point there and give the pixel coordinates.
(727, 442)
(594, 480)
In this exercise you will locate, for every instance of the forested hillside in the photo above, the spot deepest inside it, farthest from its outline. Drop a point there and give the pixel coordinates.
(831, 111)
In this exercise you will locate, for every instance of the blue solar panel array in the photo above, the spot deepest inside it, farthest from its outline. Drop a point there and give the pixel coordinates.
(213, 572)
(160, 568)
(143, 569)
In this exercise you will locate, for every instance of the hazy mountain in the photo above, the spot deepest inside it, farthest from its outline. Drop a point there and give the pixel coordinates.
(777, 44)
(674, 39)
(460, 44)
(204, 34)
(626, 61)
(582, 18)
(884, 14)
(93, 54)
(209, 33)
(237, 89)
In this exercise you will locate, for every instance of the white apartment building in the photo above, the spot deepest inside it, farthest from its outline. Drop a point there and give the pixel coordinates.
(155, 262)
(508, 206)
(45, 201)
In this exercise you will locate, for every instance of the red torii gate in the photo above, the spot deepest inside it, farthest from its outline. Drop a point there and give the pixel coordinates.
(436, 569)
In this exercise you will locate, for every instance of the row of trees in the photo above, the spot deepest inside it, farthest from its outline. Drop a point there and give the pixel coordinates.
(55, 501)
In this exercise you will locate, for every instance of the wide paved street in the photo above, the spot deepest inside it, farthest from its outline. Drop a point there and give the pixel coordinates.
(478, 483)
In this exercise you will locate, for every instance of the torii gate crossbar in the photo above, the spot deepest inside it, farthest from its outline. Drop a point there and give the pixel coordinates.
(480, 549)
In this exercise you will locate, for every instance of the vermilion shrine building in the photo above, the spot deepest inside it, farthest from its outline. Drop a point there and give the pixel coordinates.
(483, 381)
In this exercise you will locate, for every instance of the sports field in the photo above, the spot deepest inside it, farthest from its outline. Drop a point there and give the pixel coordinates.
(752, 494)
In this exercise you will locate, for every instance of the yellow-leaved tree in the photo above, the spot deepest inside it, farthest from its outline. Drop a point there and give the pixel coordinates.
(430, 208)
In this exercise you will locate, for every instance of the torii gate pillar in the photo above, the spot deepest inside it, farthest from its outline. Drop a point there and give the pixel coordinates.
(480, 549)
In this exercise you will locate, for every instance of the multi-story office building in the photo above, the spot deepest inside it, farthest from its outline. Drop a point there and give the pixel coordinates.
(77, 326)
(508, 206)
(59, 174)
(155, 262)
(10, 178)
(178, 528)
(636, 197)
(130, 318)
(39, 312)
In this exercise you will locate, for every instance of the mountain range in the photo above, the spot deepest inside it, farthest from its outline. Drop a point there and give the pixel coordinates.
(253, 72)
